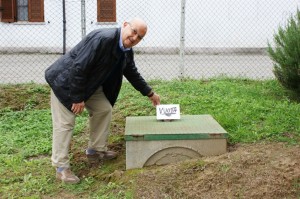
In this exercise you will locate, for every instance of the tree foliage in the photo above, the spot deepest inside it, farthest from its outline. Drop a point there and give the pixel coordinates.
(286, 54)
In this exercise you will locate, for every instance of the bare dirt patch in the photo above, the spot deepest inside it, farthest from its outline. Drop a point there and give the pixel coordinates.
(250, 171)
(24, 96)
(260, 170)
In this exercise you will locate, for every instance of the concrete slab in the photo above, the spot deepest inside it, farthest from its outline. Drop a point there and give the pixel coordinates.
(22, 68)
(153, 142)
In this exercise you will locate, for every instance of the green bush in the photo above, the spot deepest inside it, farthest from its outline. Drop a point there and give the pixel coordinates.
(286, 54)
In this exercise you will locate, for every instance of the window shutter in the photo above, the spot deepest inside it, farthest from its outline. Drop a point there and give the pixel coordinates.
(8, 10)
(106, 10)
(36, 10)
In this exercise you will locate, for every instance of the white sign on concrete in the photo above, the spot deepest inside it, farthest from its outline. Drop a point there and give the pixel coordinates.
(168, 112)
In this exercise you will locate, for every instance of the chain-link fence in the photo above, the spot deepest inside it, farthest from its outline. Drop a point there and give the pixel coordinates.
(186, 38)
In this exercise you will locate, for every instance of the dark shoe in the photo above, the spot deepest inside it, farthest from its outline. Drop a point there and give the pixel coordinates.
(101, 155)
(67, 176)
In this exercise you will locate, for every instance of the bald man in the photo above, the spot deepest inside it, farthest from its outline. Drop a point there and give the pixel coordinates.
(89, 77)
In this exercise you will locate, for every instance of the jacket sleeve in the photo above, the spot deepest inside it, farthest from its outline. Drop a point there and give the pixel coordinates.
(134, 77)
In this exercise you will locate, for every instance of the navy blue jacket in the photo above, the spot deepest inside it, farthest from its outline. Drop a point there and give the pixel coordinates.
(96, 60)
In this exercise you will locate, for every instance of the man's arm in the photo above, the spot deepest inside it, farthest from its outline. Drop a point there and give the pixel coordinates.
(137, 81)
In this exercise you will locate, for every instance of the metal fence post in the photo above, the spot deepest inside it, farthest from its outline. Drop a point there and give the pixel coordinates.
(64, 26)
(83, 19)
(182, 38)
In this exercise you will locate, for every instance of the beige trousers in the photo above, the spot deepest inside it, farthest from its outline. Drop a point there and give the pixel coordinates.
(63, 120)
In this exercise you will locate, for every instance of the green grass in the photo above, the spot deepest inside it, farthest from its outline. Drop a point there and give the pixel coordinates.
(250, 111)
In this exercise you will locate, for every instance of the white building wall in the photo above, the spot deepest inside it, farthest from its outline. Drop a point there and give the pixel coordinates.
(208, 23)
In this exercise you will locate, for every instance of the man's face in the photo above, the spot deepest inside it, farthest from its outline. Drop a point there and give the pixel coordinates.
(133, 33)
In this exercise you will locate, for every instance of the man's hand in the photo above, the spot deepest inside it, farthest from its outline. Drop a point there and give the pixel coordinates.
(77, 108)
(155, 99)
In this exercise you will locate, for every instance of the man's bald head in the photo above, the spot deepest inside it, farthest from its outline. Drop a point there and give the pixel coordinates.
(133, 32)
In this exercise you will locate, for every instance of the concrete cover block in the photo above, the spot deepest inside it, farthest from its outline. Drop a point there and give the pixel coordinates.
(153, 142)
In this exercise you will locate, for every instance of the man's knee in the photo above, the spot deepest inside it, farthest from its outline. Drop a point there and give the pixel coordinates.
(103, 110)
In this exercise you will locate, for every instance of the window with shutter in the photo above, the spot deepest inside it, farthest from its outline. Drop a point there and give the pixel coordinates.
(8, 10)
(36, 10)
(22, 10)
(106, 10)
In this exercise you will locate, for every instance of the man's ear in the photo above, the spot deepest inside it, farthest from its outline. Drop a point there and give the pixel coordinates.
(125, 23)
